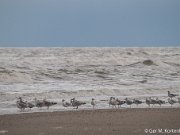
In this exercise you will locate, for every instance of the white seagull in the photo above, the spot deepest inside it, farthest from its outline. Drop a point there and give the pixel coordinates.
(152, 101)
(93, 102)
(65, 104)
(148, 102)
(113, 102)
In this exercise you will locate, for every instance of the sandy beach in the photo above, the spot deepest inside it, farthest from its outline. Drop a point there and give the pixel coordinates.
(91, 122)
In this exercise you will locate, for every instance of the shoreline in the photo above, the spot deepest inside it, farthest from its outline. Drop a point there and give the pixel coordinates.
(97, 110)
(71, 47)
(101, 121)
(71, 109)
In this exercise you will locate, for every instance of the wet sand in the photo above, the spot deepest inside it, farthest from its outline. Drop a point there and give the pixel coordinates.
(91, 122)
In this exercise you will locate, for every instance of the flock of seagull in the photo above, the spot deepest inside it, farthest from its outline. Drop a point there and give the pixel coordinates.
(114, 102)
(25, 104)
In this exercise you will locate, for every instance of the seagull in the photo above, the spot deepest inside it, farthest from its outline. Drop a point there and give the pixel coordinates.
(65, 104)
(179, 100)
(137, 102)
(171, 101)
(29, 105)
(120, 102)
(21, 104)
(48, 103)
(171, 95)
(38, 103)
(148, 102)
(76, 103)
(129, 102)
(113, 102)
(152, 101)
(160, 102)
(93, 102)
(110, 100)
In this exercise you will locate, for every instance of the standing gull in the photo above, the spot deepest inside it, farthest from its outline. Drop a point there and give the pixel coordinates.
(179, 100)
(128, 102)
(171, 101)
(148, 102)
(137, 102)
(120, 102)
(29, 105)
(160, 102)
(152, 101)
(113, 102)
(48, 103)
(171, 95)
(21, 104)
(65, 104)
(38, 103)
(93, 102)
(76, 103)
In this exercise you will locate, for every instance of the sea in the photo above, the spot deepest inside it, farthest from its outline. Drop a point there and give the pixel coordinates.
(85, 73)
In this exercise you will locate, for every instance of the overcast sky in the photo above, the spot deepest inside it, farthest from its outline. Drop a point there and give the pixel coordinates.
(89, 23)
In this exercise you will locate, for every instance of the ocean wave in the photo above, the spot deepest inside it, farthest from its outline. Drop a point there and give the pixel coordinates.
(56, 73)
(11, 76)
(12, 96)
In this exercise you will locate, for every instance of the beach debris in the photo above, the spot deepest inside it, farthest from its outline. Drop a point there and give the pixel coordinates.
(42, 133)
(57, 127)
(148, 62)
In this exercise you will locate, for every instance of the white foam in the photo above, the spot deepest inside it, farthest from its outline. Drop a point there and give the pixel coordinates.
(3, 131)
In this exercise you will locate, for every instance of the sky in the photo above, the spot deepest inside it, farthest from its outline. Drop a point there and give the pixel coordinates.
(89, 23)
